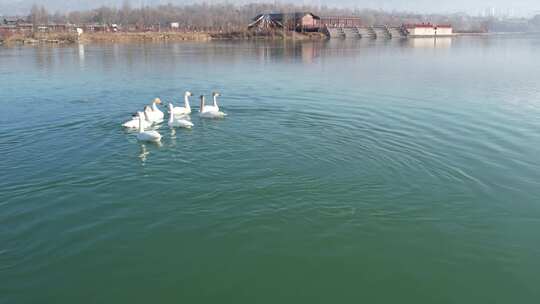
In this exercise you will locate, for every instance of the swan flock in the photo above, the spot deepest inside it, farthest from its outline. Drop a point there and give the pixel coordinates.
(179, 117)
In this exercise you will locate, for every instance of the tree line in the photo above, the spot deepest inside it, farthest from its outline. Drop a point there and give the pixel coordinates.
(230, 17)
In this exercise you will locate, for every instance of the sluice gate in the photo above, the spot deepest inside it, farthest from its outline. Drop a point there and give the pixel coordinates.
(363, 32)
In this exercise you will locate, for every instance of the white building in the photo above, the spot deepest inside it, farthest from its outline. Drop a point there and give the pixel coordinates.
(428, 30)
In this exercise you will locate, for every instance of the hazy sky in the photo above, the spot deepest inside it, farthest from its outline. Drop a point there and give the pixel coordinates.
(474, 7)
(469, 6)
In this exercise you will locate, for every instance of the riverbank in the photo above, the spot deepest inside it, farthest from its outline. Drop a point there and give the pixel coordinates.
(56, 38)
(144, 37)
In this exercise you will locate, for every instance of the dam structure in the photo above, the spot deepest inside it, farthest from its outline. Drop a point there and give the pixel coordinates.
(363, 32)
(424, 30)
(352, 27)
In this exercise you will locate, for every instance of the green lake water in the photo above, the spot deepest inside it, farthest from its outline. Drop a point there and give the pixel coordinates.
(345, 172)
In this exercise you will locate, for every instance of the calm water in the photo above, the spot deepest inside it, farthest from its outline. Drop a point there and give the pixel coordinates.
(388, 172)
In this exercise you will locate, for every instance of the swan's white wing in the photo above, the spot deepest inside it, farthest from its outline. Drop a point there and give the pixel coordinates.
(134, 124)
(213, 114)
(211, 109)
(180, 110)
(181, 123)
(149, 136)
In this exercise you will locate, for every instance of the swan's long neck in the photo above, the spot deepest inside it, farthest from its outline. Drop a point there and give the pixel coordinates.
(154, 107)
(142, 116)
(215, 102)
(186, 102)
(171, 114)
(202, 104)
(147, 112)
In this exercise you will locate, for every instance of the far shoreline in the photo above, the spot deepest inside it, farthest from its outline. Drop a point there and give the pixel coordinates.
(150, 37)
(160, 37)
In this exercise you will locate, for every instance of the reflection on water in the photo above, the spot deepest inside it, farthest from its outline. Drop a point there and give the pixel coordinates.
(81, 55)
(306, 52)
(426, 42)
(144, 153)
(309, 51)
(44, 56)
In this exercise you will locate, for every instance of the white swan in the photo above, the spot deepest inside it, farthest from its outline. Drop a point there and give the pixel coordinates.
(134, 123)
(143, 135)
(186, 109)
(155, 115)
(214, 106)
(175, 122)
(209, 111)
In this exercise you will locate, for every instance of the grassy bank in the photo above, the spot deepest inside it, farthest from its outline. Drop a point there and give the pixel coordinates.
(143, 37)
(49, 38)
